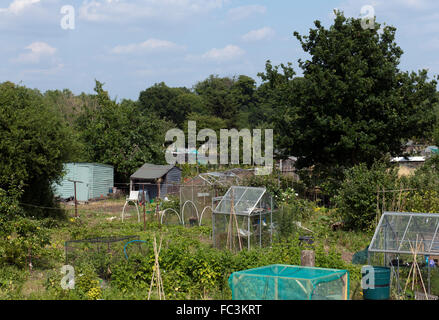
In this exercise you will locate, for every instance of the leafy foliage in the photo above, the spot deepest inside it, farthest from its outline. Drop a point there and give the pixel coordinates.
(116, 134)
(34, 144)
(353, 104)
(356, 200)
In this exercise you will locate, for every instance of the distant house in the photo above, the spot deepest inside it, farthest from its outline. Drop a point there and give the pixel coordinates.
(407, 165)
(152, 177)
(94, 181)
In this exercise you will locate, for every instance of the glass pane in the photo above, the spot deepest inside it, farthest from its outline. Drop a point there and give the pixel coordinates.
(407, 232)
(245, 199)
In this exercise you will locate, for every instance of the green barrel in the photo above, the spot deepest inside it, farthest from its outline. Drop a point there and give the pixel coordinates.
(382, 285)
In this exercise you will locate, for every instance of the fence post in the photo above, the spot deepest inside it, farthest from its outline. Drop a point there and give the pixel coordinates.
(308, 258)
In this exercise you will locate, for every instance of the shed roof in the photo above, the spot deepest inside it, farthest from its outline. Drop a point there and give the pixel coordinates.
(89, 163)
(152, 171)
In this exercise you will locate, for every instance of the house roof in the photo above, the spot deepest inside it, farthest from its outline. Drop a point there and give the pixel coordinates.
(408, 159)
(152, 171)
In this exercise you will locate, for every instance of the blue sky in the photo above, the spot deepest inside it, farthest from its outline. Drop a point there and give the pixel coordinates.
(132, 44)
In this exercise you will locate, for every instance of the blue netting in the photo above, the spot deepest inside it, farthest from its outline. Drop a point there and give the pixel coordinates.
(283, 282)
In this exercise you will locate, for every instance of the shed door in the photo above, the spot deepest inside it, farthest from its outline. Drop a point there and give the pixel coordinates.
(82, 189)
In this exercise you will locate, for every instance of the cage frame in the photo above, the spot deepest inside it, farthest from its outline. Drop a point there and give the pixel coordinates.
(331, 273)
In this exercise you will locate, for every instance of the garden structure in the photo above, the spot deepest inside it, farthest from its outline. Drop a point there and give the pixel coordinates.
(196, 198)
(103, 252)
(243, 218)
(285, 282)
(93, 181)
(403, 235)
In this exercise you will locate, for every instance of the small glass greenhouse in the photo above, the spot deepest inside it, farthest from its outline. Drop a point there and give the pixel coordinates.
(403, 233)
(406, 235)
(284, 282)
(244, 216)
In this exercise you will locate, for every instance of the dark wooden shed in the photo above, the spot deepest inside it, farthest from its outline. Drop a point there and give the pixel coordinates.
(152, 177)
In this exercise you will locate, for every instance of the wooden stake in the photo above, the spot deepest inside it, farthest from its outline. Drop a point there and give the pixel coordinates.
(400, 194)
(233, 223)
(415, 268)
(378, 205)
(156, 275)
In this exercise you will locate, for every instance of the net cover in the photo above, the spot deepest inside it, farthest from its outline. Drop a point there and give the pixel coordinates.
(285, 282)
(403, 232)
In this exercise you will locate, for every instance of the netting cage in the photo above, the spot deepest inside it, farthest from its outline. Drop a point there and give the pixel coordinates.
(285, 282)
(243, 217)
(196, 196)
(103, 252)
(195, 202)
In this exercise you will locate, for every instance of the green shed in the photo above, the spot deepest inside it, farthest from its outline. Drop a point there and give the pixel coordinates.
(95, 181)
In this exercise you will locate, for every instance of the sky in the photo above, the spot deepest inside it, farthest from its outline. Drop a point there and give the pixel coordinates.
(132, 44)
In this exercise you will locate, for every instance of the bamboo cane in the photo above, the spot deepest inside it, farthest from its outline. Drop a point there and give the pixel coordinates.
(415, 267)
(400, 194)
(156, 276)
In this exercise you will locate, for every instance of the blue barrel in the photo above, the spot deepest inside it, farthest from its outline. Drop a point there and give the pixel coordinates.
(381, 284)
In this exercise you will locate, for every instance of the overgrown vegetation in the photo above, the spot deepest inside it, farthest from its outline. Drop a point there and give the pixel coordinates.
(350, 111)
(190, 267)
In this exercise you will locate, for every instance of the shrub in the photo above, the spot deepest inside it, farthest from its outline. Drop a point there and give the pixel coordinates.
(21, 237)
(422, 201)
(356, 198)
(34, 144)
(291, 210)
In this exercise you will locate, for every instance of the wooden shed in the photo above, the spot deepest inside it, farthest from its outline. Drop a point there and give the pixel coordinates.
(152, 178)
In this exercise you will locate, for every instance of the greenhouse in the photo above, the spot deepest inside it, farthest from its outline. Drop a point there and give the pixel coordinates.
(400, 233)
(243, 218)
(401, 238)
(284, 282)
(196, 194)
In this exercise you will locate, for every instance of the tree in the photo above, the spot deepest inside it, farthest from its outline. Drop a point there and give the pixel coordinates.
(34, 144)
(216, 93)
(244, 96)
(205, 122)
(184, 104)
(116, 134)
(156, 100)
(353, 104)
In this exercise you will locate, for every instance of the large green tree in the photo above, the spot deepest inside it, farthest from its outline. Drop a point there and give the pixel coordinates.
(34, 144)
(183, 105)
(353, 103)
(156, 99)
(216, 93)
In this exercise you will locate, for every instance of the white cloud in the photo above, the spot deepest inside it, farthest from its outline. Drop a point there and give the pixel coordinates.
(17, 6)
(124, 10)
(38, 51)
(259, 34)
(227, 53)
(243, 12)
(146, 46)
